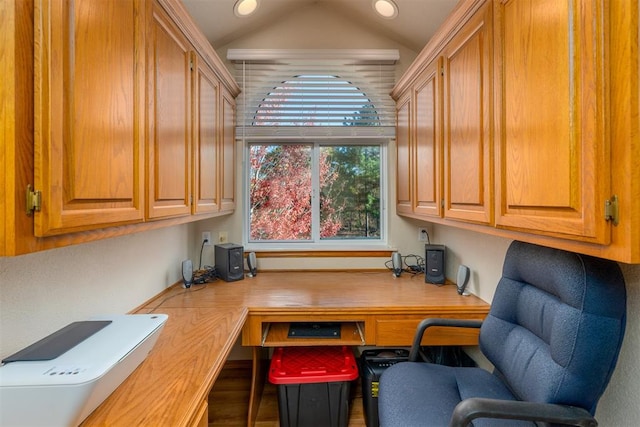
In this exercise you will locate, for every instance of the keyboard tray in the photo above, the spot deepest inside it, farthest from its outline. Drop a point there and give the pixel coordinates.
(314, 330)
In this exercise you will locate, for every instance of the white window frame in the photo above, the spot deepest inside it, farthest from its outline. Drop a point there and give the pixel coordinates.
(316, 243)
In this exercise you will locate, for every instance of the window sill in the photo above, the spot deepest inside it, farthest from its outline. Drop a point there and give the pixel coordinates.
(338, 253)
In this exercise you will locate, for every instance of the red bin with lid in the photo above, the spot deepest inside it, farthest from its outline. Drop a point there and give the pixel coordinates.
(313, 384)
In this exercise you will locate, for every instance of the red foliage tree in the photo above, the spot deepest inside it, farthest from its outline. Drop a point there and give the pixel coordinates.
(280, 193)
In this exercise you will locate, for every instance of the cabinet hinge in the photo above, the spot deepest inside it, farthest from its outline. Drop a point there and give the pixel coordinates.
(611, 210)
(34, 200)
(442, 71)
(191, 64)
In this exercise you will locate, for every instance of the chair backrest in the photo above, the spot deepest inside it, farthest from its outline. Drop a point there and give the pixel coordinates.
(556, 325)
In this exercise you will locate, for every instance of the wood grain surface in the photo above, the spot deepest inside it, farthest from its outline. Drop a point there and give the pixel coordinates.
(169, 387)
(172, 385)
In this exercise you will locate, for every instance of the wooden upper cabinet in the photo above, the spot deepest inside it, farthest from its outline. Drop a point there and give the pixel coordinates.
(552, 150)
(539, 124)
(227, 154)
(103, 114)
(89, 114)
(427, 188)
(206, 92)
(468, 90)
(404, 172)
(169, 118)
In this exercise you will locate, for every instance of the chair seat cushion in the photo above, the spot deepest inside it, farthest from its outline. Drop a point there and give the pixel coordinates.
(425, 394)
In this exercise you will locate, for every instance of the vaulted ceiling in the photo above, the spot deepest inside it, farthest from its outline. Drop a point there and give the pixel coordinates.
(416, 22)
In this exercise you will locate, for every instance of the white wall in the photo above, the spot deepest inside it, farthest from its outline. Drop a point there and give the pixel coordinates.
(44, 291)
(619, 405)
(318, 27)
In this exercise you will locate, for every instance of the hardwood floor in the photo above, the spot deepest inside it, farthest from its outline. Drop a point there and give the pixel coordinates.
(229, 399)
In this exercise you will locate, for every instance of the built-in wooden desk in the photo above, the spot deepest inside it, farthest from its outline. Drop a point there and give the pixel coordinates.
(171, 386)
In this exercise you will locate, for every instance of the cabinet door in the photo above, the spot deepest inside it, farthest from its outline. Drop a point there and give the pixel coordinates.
(553, 167)
(205, 140)
(89, 114)
(468, 65)
(168, 150)
(427, 195)
(403, 156)
(227, 152)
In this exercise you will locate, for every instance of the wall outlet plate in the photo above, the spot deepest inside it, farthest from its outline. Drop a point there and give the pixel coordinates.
(206, 235)
(423, 234)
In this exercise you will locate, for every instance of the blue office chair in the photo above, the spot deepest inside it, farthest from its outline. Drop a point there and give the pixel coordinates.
(553, 334)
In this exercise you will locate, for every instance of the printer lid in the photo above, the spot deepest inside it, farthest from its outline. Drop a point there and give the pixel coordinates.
(87, 359)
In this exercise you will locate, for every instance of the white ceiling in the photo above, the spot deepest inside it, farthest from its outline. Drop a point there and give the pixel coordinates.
(416, 22)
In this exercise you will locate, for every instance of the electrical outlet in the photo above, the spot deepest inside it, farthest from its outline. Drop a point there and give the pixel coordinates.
(206, 238)
(423, 234)
(222, 237)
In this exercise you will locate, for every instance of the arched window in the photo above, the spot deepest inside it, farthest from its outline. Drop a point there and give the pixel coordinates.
(316, 100)
(319, 93)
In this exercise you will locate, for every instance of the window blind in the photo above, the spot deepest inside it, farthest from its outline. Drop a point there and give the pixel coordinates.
(341, 94)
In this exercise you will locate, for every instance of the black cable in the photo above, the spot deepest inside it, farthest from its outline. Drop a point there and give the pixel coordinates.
(417, 264)
(191, 289)
(208, 274)
(427, 233)
(201, 249)
(415, 267)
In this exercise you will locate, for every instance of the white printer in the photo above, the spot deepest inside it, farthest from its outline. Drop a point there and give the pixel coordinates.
(62, 378)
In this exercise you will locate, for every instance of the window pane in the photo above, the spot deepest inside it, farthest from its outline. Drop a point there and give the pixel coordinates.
(350, 192)
(280, 192)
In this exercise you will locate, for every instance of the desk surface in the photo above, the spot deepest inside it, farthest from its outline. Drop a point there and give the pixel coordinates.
(205, 321)
(337, 291)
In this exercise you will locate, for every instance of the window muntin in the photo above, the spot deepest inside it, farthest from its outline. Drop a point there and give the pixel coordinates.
(315, 192)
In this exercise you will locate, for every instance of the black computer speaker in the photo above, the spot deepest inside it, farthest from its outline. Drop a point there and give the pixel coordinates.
(434, 264)
(229, 261)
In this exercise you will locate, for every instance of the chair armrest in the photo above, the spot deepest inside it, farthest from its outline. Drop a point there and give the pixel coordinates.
(427, 323)
(476, 407)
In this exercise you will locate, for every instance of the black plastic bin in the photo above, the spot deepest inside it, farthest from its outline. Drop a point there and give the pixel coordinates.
(314, 384)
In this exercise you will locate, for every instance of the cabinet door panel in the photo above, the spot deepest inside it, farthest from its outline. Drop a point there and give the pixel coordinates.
(428, 144)
(170, 119)
(554, 172)
(205, 153)
(403, 156)
(228, 153)
(467, 103)
(89, 83)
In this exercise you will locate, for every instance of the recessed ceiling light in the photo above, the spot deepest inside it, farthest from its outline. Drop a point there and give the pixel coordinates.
(244, 8)
(385, 8)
